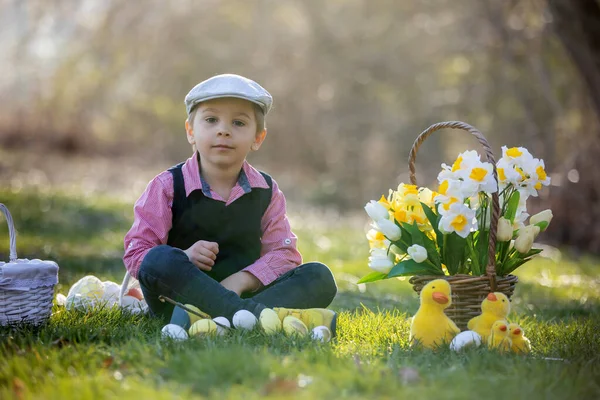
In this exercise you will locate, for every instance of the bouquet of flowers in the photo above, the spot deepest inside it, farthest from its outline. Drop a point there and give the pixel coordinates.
(416, 231)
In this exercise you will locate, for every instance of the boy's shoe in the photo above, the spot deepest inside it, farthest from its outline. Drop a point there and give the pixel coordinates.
(312, 317)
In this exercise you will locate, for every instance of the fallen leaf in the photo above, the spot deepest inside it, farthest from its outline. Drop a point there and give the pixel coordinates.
(280, 385)
(19, 388)
(107, 362)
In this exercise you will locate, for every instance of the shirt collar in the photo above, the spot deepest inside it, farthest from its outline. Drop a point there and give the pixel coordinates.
(249, 177)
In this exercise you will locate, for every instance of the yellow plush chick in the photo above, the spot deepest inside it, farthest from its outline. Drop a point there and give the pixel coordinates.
(430, 327)
(496, 306)
(520, 344)
(498, 338)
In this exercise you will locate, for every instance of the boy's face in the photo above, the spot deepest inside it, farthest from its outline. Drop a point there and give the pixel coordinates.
(224, 131)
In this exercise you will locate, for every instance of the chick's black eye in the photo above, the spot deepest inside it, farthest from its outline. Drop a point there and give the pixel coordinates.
(433, 287)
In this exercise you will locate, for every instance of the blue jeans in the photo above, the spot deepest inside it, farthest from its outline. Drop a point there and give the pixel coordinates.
(167, 270)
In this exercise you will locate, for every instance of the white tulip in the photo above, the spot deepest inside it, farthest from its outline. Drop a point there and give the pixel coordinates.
(542, 219)
(376, 211)
(389, 229)
(380, 261)
(417, 253)
(525, 238)
(505, 230)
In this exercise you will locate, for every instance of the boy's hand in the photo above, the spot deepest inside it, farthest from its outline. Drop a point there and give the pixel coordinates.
(203, 254)
(241, 282)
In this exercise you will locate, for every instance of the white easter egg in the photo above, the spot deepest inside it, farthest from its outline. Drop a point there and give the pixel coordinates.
(244, 319)
(223, 321)
(174, 332)
(321, 333)
(464, 339)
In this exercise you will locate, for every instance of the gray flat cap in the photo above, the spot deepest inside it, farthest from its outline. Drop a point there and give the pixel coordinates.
(229, 85)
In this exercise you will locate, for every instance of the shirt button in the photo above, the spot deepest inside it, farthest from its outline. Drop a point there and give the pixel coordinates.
(287, 241)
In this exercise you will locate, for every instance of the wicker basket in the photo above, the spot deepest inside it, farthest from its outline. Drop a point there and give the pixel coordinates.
(26, 286)
(467, 291)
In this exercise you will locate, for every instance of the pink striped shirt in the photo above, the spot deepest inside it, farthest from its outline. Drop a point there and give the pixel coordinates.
(153, 220)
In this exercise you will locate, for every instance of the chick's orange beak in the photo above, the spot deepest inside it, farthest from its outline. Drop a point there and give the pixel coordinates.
(439, 297)
(517, 331)
(492, 297)
(502, 328)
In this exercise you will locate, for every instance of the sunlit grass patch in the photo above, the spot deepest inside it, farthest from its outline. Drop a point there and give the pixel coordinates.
(106, 353)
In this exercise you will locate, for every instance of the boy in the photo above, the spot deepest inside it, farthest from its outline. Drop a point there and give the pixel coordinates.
(213, 232)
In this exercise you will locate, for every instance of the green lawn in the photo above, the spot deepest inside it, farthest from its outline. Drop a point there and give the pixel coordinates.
(107, 354)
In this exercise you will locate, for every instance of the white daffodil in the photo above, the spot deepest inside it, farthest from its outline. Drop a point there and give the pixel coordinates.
(507, 175)
(541, 219)
(535, 177)
(505, 230)
(460, 219)
(417, 253)
(477, 176)
(444, 203)
(389, 229)
(380, 261)
(376, 210)
(518, 156)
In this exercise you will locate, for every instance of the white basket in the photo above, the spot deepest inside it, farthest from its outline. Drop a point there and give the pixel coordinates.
(26, 286)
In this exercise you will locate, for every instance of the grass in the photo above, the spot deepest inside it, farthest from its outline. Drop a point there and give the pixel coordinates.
(109, 354)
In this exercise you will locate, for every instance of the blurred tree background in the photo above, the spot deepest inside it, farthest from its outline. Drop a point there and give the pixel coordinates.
(91, 91)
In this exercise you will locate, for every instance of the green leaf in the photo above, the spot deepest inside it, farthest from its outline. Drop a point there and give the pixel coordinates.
(419, 237)
(411, 267)
(434, 220)
(513, 204)
(454, 252)
(372, 277)
(482, 247)
(405, 240)
(475, 267)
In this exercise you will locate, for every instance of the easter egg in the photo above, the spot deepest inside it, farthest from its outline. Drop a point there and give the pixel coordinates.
(175, 332)
(203, 326)
(321, 333)
(135, 292)
(465, 339)
(294, 326)
(193, 317)
(223, 321)
(269, 321)
(244, 319)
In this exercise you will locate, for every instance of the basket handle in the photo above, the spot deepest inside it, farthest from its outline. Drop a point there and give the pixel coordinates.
(11, 233)
(491, 267)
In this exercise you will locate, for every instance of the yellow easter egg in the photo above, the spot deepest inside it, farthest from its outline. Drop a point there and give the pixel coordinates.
(292, 325)
(193, 317)
(269, 321)
(203, 327)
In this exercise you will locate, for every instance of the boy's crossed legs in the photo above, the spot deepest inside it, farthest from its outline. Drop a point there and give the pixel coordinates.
(167, 271)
